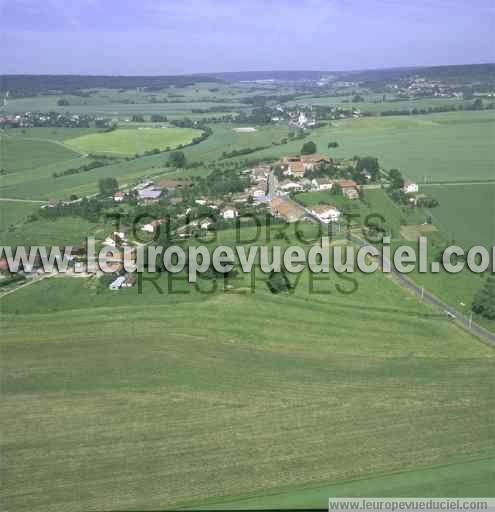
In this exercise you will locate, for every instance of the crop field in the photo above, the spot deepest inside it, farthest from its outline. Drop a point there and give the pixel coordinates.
(233, 395)
(37, 182)
(18, 155)
(466, 213)
(450, 146)
(375, 104)
(132, 141)
(13, 213)
(61, 232)
(473, 478)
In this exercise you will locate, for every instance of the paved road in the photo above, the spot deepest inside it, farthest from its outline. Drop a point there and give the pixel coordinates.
(457, 183)
(14, 200)
(434, 301)
(427, 296)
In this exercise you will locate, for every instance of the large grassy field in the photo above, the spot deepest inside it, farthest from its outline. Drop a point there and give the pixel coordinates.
(17, 155)
(472, 478)
(451, 146)
(132, 141)
(466, 213)
(183, 399)
(376, 104)
(37, 182)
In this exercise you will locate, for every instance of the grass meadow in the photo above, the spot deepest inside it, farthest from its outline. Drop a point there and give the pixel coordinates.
(129, 401)
(375, 104)
(472, 478)
(19, 155)
(453, 146)
(466, 213)
(37, 182)
(128, 142)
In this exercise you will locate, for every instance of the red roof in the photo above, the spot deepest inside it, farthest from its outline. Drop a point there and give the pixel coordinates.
(346, 184)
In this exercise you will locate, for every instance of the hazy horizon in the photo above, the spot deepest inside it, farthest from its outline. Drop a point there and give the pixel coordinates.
(91, 37)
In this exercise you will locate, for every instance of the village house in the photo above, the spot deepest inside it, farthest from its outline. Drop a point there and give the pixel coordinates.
(311, 162)
(288, 210)
(230, 213)
(288, 186)
(258, 190)
(322, 184)
(150, 194)
(349, 188)
(260, 173)
(119, 196)
(326, 213)
(151, 227)
(206, 223)
(126, 281)
(116, 238)
(410, 187)
(296, 169)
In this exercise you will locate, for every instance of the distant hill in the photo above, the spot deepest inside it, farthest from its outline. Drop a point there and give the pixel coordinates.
(30, 85)
(465, 73)
(282, 76)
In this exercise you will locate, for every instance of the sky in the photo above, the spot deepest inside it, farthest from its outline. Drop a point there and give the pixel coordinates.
(150, 37)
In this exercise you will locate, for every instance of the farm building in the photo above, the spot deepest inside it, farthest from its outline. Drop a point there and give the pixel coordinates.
(410, 187)
(119, 196)
(322, 184)
(326, 213)
(230, 213)
(150, 194)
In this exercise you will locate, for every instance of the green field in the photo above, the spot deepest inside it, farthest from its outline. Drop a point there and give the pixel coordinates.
(466, 213)
(38, 182)
(61, 232)
(180, 399)
(473, 478)
(451, 146)
(17, 155)
(375, 104)
(132, 141)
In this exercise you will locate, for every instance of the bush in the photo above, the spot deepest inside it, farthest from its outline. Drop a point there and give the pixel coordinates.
(309, 148)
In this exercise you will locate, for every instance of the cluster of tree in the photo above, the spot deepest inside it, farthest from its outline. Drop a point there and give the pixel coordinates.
(177, 159)
(89, 209)
(259, 115)
(308, 148)
(427, 202)
(137, 118)
(357, 99)
(77, 170)
(484, 300)
(368, 165)
(477, 104)
(278, 282)
(108, 186)
(241, 152)
(158, 118)
(333, 145)
(62, 102)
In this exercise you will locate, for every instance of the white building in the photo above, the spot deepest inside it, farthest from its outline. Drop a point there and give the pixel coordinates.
(326, 214)
(410, 187)
(290, 186)
(118, 283)
(322, 184)
(230, 213)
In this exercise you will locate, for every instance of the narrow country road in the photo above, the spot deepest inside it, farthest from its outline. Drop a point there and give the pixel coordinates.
(425, 295)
